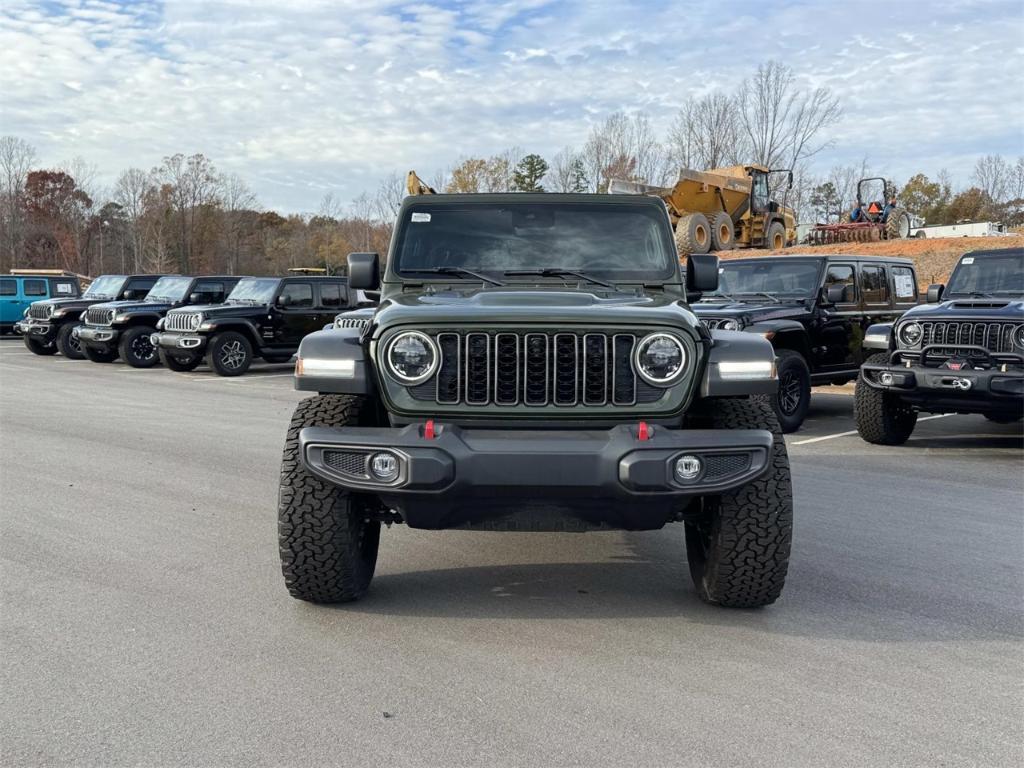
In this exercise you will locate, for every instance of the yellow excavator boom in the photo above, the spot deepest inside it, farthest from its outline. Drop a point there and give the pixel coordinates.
(417, 186)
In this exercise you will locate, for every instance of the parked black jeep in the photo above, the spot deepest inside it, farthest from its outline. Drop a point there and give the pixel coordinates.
(123, 328)
(52, 325)
(263, 317)
(962, 352)
(814, 310)
(534, 366)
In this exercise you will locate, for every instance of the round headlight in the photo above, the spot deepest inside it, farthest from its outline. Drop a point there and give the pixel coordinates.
(910, 334)
(412, 357)
(195, 321)
(730, 325)
(110, 316)
(49, 310)
(660, 359)
(1018, 336)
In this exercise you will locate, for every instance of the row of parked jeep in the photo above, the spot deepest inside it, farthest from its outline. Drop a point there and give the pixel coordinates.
(226, 320)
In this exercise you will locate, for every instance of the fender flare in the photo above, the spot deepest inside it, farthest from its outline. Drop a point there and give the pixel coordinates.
(216, 325)
(740, 347)
(879, 337)
(783, 334)
(334, 361)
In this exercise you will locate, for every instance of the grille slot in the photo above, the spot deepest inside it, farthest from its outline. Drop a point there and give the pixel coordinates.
(995, 337)
(351, 322)
(346, 462)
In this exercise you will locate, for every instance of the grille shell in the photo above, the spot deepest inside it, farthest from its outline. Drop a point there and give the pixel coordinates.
(996, 335)
(99, 316)
(182, 321)
(40, 311)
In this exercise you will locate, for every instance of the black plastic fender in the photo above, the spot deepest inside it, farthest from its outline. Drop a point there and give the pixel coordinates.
(738, 347)
(784, 334)
(214, 325)
(334, 360)
(878, 337)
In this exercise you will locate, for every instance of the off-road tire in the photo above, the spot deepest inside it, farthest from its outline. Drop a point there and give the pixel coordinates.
(229, 353)
(327, 542)
(794, 382)
(693, 234)
(180, 362)
(39, 347)
(775, 239)
(881, 417)
(738, 547)
(136, 349)
(893, 224)
(723, 233)
(99, 355)
(67, 344)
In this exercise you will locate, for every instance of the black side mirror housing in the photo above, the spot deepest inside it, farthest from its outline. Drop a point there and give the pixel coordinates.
(935, 293)
(284, 300)
(135, 293)
(835, 294)
(195, 298)
(701, 273)
(364, 271)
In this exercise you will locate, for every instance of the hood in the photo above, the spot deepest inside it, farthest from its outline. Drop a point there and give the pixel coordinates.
(533, 305)
(132, 305)
(224, 310)
(76, 302)
(981, 309)
(751, 311)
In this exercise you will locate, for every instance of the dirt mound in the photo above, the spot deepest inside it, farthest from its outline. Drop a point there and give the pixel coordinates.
(933, 257)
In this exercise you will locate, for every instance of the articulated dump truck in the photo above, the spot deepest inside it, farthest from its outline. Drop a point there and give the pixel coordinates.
(723, 208)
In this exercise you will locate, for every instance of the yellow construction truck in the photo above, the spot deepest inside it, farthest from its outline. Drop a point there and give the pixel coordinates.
(723, 208)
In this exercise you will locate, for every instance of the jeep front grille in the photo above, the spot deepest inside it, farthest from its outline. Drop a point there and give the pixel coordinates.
(711, 323)
(182, 321)
(995, 337)
(536, 368)
(351, 322)
(99, 316)
(40, 311)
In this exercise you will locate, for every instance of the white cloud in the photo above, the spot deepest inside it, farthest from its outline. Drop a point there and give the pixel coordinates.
(334, 95)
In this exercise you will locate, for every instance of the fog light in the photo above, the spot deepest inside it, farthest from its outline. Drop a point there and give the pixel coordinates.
(384, 466)
(885, 379)
(688, 467)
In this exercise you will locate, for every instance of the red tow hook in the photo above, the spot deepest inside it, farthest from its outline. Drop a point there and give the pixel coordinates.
(428, 430)
(644, 432)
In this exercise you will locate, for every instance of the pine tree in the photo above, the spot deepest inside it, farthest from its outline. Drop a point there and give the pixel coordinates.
(578, 176)
(529, 174)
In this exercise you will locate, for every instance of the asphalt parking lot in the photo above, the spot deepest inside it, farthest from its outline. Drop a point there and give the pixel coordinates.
(145, 621)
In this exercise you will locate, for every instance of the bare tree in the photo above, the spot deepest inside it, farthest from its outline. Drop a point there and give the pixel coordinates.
(1017, 180)
(362, 212)
(993, 175)
(388, 197)
(707, 133)
(193, 184)
(331, 207)
(564, 173)
(623, 146)
(132, 191)
(782, 124)
(17, 157)
(237, 202)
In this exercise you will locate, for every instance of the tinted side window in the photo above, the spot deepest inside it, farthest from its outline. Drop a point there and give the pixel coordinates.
(8, 287)
(904, 284)
(842, 274)
(333, 295)
(301, 294)
(874, 285)
(35, 288)
(141, 284)
(211, 290)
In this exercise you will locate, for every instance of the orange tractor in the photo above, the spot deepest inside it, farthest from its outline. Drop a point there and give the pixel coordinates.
(879, 219)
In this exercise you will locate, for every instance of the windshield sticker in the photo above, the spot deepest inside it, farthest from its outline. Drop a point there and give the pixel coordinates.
(966, 259)
(904, 287)
(424, 217)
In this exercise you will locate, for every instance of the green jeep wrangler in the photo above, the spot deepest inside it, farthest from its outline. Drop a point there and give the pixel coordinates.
(534, 366)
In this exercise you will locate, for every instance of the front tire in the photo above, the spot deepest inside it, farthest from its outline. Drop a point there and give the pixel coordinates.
(693, 234)
(180, 362)
(328, 544)
(723, 233)
(97, 355)
(793, 399)
(39, 347)
(881, 417)
(68, 343)
(738, 547)
(776, 239)
(229, 353)
(136, 349)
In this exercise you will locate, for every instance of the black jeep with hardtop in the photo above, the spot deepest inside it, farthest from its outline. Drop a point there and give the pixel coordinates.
(962, 352)
(534, 366)
(814, 310)
(263, 317)
(124, 328)
(52, 325)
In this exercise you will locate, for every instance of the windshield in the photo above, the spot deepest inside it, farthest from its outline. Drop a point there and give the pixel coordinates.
(254, 289)
(1001, 275)
(104, 287)
(169, 289)
(615, 242)
(784, 278)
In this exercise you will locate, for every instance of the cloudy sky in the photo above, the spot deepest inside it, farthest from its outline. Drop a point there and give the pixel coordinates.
(310, 96)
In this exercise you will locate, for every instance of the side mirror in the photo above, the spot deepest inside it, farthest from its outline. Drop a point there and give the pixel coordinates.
(284, 300)
(935, 293)
(135, 293)
(835, 294)
(364, 271)
(701, 273)
(195, 298)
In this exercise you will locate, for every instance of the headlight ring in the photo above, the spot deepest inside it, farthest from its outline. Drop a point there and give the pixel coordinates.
(411, 357)
(660, 359)
(1018, 336)
(910, 334)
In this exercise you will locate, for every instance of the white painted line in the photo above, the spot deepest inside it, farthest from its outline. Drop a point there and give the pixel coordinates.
(239, 379)
(854, 432)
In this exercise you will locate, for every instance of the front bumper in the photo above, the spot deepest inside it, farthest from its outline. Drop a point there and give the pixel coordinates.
(536, 479)
(943, 390)
(172, 340)
(43, 329)
(98, 335)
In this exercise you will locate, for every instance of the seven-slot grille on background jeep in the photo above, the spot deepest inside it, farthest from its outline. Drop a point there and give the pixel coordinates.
(536, 368)
(99, 316)
(995, 336)
(182, 321)
(351, 322)
(40, 311)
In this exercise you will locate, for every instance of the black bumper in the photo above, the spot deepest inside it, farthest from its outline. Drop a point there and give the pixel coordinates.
(942, 390)
(537, 480)
(98, 336)
(37, 329)
(173, 341)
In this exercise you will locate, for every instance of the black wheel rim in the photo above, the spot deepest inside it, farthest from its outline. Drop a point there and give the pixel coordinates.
(790, 393)
(232, 355)
(142, 348)
(73, 343)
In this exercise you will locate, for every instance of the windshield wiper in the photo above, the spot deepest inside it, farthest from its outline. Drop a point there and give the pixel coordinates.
(768, 296)
(723, 294)
(556, 272)
(455, 272)
(972, 294)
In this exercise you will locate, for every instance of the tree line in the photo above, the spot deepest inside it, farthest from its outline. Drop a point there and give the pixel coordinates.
(184, 215)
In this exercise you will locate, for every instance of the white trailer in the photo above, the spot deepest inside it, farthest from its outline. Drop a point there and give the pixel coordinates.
(963, 229)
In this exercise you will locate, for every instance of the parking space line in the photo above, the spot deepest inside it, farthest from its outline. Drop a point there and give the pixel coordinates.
(854, 432)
